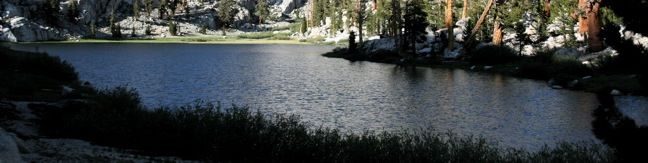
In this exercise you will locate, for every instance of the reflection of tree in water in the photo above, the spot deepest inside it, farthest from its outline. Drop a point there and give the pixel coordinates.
(619, 132)
(411, 72)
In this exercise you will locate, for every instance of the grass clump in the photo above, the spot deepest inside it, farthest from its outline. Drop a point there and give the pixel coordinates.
(256, 35)
(265, 35)
(208, 132)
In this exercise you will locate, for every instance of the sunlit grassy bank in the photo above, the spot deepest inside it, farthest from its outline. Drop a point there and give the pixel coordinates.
(242, 38)
(116, 117)
(188, 39)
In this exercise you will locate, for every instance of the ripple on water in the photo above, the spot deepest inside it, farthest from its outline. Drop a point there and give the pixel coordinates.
(350, 96)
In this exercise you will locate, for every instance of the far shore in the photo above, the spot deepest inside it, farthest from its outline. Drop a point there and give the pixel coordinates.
(184, 40)
(195, 39)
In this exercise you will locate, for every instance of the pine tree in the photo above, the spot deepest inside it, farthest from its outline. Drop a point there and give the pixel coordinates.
(203, 29)
(381, 17)
(93, 29)
(566, 12)
(163, 8)
(434, 13)
(148, 5)
(226, 14)
(173, 5)
(480, 22)
(360, 10)
(115, 28)
(336, 19)
(415, 24)
(350, 11)
(73, 11)
(136, 14)
(51, 8)
(316, 15)
(54, 5)
(513, 18)
(185, 7)
(147, 30)
(395, 24)
(543, 11)
(173, 28)
(262, 10)
(136, 9)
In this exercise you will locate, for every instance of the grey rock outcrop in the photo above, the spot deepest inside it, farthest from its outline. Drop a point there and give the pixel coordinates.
(7, 35)
(9, 151)
(24, 30)
(25, 20)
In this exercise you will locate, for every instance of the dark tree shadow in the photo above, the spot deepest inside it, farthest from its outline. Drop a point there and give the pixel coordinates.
(619, 132)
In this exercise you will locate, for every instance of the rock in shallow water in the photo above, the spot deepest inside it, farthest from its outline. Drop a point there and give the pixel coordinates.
(615, 92)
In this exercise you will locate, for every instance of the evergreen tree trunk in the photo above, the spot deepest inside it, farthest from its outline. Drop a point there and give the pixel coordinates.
(594, 41)
(464, 13)
(395, 24)
(449, 24)
(481, 20)
(310, 20)
(582, 19)
(497, 34)
(547, 8)
(133, 33)
(497, 30)
(360, 10)
(399, 24)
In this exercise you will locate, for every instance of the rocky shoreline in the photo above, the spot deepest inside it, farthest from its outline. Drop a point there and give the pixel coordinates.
(20, 141)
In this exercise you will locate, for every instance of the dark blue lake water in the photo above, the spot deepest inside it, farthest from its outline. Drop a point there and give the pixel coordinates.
(350, 96)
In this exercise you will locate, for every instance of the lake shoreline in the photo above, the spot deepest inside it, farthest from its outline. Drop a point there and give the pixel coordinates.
(76, 110)
(617, 85)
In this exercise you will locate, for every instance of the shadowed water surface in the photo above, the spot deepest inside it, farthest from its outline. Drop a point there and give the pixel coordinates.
(350, 96)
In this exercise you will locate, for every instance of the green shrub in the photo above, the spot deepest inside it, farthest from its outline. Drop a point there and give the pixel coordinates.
(281, 36)
(203, 29)
(492, 54)
(173, 28)
(147, 30)
(115, 31)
